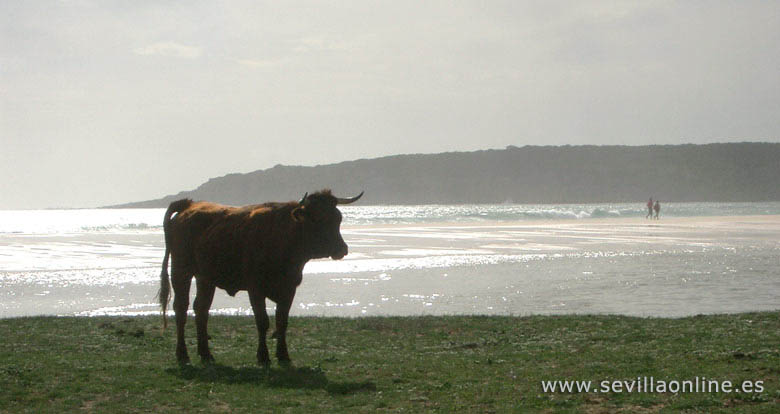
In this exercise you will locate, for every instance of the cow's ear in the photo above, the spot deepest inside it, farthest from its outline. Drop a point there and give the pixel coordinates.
(298, 214)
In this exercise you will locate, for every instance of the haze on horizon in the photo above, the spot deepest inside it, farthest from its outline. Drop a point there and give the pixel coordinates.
(105, 102)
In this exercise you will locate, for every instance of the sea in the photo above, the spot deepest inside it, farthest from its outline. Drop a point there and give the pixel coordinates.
(503, 259)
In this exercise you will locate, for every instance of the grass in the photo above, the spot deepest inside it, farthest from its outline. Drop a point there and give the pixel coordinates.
(417, 364)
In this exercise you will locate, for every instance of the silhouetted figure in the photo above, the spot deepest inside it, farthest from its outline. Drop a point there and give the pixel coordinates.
(649, 208)
(657, 208)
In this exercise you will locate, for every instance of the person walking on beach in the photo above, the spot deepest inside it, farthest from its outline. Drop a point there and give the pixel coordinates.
(649, 208)
(657, 208)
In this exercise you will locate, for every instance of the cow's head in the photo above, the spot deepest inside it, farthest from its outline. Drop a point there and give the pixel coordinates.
(321, 223)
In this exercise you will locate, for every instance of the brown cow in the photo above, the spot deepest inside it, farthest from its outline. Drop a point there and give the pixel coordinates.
(259, 248)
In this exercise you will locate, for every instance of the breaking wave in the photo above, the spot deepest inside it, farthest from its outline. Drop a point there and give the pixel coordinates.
(150, 220)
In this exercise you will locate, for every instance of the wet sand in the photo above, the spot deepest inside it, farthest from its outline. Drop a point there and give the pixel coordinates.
(634, 266)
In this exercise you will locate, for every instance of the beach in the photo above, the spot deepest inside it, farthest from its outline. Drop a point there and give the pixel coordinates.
(630, 266)
(676, 266)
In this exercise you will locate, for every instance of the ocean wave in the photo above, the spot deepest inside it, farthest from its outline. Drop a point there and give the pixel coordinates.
(598, 213)
(554, 214)
(13, 222)
(122, 227)
(80, 221)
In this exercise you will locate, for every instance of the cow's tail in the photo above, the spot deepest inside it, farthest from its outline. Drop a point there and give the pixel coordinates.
(164, 294)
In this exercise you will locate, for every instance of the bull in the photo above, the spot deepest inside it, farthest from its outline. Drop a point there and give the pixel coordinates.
(260, 249)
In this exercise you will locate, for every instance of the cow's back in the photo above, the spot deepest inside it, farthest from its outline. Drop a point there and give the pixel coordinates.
(189, 227)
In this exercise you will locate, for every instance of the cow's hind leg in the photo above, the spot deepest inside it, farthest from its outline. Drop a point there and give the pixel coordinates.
(203, 298)
(181, 282)
(261, 320)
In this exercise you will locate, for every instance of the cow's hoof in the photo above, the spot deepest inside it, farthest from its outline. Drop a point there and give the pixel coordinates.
(207, 359)
(263, 359)
(183, 360)
(285, 363)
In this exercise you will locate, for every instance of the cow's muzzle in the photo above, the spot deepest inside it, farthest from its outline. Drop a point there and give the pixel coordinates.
(340, 253)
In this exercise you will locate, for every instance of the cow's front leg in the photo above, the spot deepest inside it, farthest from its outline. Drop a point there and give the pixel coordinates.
(261, 321)
(203, 299)
(282, 312)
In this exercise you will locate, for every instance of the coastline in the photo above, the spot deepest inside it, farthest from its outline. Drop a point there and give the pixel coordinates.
(759, 219)
(675, 266)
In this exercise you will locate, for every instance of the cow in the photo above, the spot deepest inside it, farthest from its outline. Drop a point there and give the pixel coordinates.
(260, 249)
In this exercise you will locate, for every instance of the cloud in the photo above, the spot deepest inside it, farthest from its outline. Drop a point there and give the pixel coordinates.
(260, 63)
(320, 43)
(169, 49)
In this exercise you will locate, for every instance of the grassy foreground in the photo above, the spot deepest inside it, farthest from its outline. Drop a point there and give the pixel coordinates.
(419, 364)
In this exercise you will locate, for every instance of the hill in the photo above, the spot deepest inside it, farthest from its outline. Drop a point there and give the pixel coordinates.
(530, 174)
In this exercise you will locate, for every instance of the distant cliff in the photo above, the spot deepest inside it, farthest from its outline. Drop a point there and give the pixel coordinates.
(531, 174)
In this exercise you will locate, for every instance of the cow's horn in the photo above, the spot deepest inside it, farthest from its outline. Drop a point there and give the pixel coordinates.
(304, 198)
(349, 200)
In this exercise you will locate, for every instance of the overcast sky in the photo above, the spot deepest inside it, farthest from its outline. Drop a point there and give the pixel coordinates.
(105, 102)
